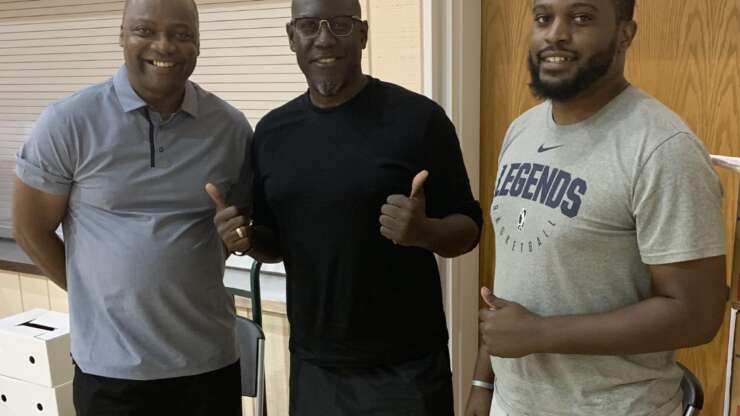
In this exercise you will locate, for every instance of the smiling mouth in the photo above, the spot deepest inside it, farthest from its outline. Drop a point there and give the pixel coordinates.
(557, 59)
(161, 64)
(326, 61)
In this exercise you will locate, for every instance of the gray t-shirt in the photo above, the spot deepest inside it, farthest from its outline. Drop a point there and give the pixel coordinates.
(144, 261)
(579, 213)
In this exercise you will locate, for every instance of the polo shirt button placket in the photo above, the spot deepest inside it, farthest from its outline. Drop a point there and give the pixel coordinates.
(164, 161)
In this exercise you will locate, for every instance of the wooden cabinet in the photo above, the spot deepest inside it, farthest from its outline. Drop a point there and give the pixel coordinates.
(34, 291)
(20, 292)
(11, 302)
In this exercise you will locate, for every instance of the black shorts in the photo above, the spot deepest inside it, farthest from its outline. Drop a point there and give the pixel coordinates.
(214, 393)
(417, 388)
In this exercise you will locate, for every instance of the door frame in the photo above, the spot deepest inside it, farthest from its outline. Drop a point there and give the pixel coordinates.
(451, 32)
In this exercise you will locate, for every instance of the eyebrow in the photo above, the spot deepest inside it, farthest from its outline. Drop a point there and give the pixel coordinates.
(586, 5)
(139, 20)
(144, 20)
(572, 6)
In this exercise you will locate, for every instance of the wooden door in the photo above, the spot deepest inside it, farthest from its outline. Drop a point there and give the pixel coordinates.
(687, 54)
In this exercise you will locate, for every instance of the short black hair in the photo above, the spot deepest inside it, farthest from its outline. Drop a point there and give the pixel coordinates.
(625, 10)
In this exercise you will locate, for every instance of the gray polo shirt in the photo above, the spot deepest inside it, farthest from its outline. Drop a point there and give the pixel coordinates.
(144, 261)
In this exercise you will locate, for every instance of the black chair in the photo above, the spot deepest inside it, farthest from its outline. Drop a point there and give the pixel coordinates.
(693, 394)
(252, 353)
(252, 344)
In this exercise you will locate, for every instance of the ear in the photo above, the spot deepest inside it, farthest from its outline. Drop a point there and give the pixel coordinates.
(120, 37)
(364, 33)
(627, 33)
(291, 34)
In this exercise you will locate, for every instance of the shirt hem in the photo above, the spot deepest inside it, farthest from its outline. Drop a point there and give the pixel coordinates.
(667, 258)
(148, 376)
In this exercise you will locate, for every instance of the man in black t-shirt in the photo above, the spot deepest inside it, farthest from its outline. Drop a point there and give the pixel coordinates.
(357, 184)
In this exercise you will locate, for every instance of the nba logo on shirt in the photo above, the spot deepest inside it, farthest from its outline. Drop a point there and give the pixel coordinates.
(522, 219)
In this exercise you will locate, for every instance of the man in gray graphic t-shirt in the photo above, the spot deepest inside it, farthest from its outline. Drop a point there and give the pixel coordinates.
(609, 238)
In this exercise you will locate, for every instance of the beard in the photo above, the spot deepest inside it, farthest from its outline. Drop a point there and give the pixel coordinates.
(563, 90)
(328, 88)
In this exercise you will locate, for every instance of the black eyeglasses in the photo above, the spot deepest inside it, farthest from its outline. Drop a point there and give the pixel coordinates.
(339, 26)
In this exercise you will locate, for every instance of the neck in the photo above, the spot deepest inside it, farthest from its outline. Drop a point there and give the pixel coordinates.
(347, 93)
(589, 102)
(165, 105)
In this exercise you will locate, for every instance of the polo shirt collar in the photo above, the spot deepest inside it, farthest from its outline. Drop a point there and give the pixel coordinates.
(190, 101)
(130, 100)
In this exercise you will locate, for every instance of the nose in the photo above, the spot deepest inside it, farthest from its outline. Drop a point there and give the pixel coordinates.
(325, 37)
(559, 32)
(163, 44)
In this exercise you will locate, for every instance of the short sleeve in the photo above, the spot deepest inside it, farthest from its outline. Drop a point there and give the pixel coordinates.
(448, 187)
(46, 159)
(261, 212)
(678, 204)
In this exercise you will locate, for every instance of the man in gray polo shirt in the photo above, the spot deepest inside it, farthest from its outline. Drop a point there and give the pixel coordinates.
(122, 165)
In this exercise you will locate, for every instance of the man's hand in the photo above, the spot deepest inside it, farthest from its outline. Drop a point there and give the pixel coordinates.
(403, 219)
(232, 227)
(479, 402)
(507, 328)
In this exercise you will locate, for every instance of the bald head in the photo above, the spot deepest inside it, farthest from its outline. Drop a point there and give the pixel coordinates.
(190, 4)
(325, 8)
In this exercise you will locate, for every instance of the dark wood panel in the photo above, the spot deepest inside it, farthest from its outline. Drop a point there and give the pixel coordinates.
(686, 54)
(504, 96)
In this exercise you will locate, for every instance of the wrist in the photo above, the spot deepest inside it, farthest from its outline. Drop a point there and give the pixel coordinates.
(543, 336)
(428, 234)
(244, 252)
(483, 385)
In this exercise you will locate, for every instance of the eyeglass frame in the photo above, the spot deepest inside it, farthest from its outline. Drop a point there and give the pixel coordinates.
(354, 18)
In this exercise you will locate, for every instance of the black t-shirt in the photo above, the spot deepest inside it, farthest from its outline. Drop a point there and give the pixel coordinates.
(321, 177)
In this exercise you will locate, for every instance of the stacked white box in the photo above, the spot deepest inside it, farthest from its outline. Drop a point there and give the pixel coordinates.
(35, 365)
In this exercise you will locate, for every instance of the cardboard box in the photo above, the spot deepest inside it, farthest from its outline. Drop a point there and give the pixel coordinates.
(733, 164)
(34, 347)
(20, 398)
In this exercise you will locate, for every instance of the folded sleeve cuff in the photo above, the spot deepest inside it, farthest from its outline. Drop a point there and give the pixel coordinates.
(38, 178)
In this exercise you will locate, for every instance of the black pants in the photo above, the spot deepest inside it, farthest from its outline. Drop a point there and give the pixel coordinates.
(215, 393)
(418, 388)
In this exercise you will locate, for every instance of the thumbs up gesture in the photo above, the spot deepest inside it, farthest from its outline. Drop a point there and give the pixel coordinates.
(508, 329)
(403, 218)
(231, 226)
